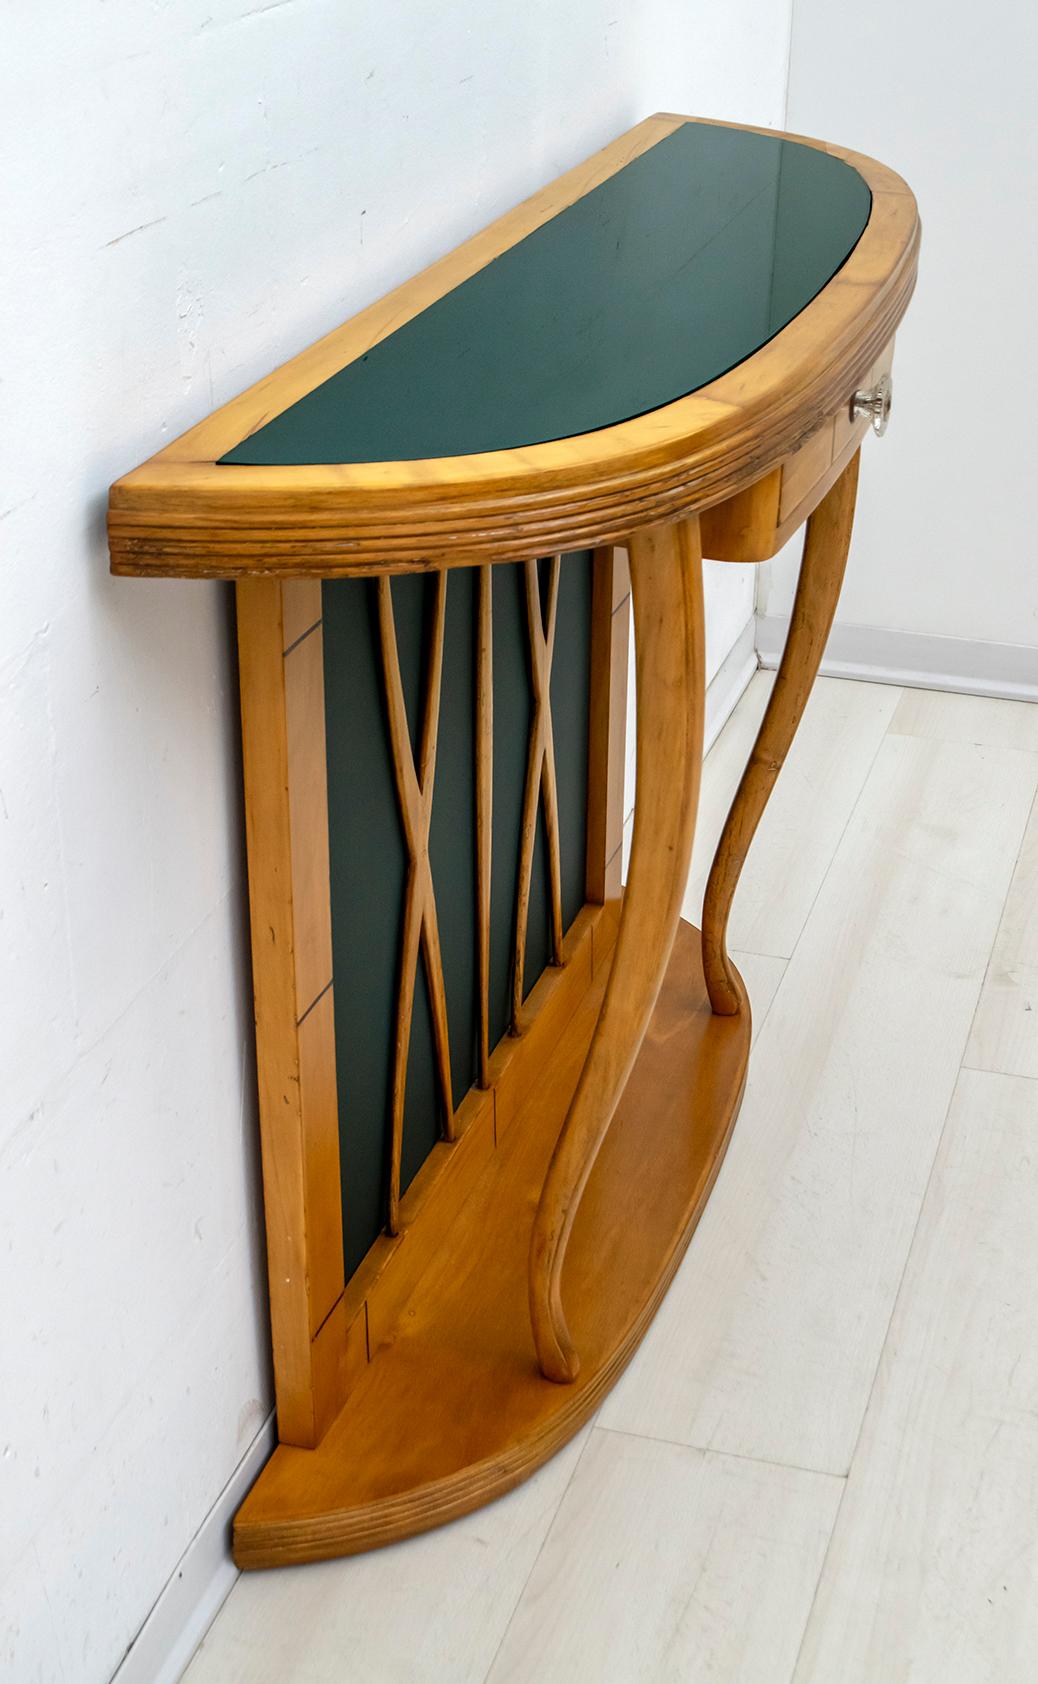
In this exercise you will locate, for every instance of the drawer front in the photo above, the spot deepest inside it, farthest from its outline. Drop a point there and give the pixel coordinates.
(848, 433)
(808, 474)
(756, 522)
(802, 471)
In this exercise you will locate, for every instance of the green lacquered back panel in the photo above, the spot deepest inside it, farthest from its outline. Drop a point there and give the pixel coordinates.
(368, 857)
(674, 270)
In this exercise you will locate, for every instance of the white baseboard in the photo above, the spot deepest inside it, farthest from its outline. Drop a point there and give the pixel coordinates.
(201, 1584)
(917, 659)
(722, 696)
(728, 683)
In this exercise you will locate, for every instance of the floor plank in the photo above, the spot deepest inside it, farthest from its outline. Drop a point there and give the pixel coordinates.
(932, 1576)
(762, 974)
(768, 1341)
(666, 1565)
(422, 1612)
(946, 717)
(1005, 1029)
(841, 731)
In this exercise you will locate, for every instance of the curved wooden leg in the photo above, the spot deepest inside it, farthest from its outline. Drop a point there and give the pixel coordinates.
(667, 595)
(818, 589)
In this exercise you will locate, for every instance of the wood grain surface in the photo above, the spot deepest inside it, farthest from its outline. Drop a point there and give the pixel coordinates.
(454, 1411)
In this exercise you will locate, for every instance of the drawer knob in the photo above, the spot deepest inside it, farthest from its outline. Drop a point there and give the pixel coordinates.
(874, 402)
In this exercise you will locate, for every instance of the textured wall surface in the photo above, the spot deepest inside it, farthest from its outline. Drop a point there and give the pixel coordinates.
(193, 192)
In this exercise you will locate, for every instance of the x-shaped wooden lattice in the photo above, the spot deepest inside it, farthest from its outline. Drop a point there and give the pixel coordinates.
(415, 793)
(540, 778)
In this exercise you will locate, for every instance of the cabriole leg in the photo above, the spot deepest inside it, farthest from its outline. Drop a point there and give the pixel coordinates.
(826, 544)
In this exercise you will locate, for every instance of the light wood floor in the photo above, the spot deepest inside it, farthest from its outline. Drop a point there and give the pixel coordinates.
(822, 1466)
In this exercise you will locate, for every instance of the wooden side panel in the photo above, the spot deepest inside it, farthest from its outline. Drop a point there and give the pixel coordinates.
(282, 698)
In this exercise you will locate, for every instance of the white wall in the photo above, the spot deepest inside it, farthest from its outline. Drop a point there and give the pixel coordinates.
(944, 546)
(191, 192)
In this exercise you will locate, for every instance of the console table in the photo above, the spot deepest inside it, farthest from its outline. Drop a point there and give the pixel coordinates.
(495, 1092)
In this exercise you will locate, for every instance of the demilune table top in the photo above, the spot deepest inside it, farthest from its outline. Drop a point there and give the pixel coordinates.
(675, 269)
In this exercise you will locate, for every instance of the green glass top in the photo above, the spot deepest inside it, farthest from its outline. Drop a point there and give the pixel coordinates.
(678, 267)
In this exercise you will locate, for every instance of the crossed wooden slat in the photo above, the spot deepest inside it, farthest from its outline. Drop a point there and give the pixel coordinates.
(540, 778)
(415, 793)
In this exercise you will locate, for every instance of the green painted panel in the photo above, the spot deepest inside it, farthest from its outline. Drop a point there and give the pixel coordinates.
(368, 858)
(674, 270)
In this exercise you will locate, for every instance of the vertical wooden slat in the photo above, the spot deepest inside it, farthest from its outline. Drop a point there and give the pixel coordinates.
(415, 795)
(602, 586)
(616, 810)
(607, 725)
(484, 806)
(286, 818)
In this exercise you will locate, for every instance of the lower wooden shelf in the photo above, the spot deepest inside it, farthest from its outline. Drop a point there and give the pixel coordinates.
(454, 1411)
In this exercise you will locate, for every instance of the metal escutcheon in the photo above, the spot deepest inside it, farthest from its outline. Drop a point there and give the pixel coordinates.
(874, 402)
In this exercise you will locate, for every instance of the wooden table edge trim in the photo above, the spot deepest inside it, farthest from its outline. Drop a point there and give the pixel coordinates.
(194, 518)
